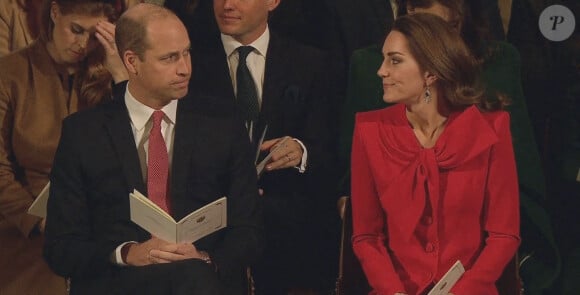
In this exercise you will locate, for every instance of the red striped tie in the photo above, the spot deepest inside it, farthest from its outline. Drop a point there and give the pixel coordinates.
(157, 164)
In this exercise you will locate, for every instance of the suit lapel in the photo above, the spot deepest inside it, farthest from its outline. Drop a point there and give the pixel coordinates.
(215, 71)
(223, 77)
(184, 140)
(118, 126)
(274, 81)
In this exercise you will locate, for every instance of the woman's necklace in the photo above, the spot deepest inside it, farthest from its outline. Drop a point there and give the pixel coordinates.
(437, 128)
(427, 139)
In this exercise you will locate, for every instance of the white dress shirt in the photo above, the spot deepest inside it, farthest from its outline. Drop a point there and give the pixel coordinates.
(256, 60)
(141, 125)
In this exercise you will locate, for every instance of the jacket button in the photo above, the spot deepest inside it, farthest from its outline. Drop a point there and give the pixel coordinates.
(429, 248)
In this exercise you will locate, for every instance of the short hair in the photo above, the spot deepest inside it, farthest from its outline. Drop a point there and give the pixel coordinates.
(440, 50)
(131, 30)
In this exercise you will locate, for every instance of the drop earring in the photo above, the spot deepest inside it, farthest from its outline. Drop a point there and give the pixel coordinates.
(427, 98)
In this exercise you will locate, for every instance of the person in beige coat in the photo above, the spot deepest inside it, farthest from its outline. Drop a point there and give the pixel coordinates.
(70, 67)
(15, 32)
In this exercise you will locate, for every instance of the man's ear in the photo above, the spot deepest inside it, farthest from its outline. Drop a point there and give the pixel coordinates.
(272, 4)
(429, 78)
(131, 61)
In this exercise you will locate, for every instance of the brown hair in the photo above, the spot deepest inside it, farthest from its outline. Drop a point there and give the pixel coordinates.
(93, 81)
(131, 31)
(440, 51)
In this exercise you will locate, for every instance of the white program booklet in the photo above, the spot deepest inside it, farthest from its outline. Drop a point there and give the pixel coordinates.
(38, 207)
(196, 225)
(448, 280)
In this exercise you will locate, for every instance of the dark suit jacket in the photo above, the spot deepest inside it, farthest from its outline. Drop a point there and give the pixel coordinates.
(96, 166)
(361, 23)
(355, 24)
(294, 103)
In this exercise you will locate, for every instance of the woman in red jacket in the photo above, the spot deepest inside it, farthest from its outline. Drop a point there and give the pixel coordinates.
(433, 177)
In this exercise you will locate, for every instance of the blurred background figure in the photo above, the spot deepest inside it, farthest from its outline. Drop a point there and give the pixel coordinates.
(550, 78)
(19, 24)
(69, 67)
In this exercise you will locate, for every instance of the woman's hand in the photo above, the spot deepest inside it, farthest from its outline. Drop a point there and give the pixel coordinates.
(106, 35)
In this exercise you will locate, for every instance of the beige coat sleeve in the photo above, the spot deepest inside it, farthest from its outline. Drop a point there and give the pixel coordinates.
(14, 198)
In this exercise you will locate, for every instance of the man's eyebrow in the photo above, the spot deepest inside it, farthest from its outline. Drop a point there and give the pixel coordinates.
(176, 52)
(170, 53)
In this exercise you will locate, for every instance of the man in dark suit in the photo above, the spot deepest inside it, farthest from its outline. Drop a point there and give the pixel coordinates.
(361, 23)
(288, 86)
(357, 24)
(108, 151)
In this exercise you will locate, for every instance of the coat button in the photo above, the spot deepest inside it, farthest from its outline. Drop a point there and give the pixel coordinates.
(429, 247)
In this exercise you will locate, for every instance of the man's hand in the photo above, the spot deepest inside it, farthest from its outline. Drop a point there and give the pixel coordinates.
(174, 252)
(289, 154)
(138, 254)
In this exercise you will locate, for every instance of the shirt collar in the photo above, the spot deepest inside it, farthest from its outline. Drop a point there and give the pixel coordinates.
(140, 113)
(260, 45)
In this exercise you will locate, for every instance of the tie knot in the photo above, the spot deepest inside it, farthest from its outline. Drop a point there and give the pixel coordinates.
(157, 117)
(243, 51)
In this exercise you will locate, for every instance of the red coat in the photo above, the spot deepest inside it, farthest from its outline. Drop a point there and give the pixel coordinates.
(416, 211)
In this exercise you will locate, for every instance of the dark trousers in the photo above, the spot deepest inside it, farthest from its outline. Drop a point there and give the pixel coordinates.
(187, 277)
(305, 260)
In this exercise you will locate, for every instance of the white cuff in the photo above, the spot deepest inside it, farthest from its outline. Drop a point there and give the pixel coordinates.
(303, 162)
(118, 256)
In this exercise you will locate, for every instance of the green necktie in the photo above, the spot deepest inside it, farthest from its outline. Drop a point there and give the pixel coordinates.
(247, 96)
